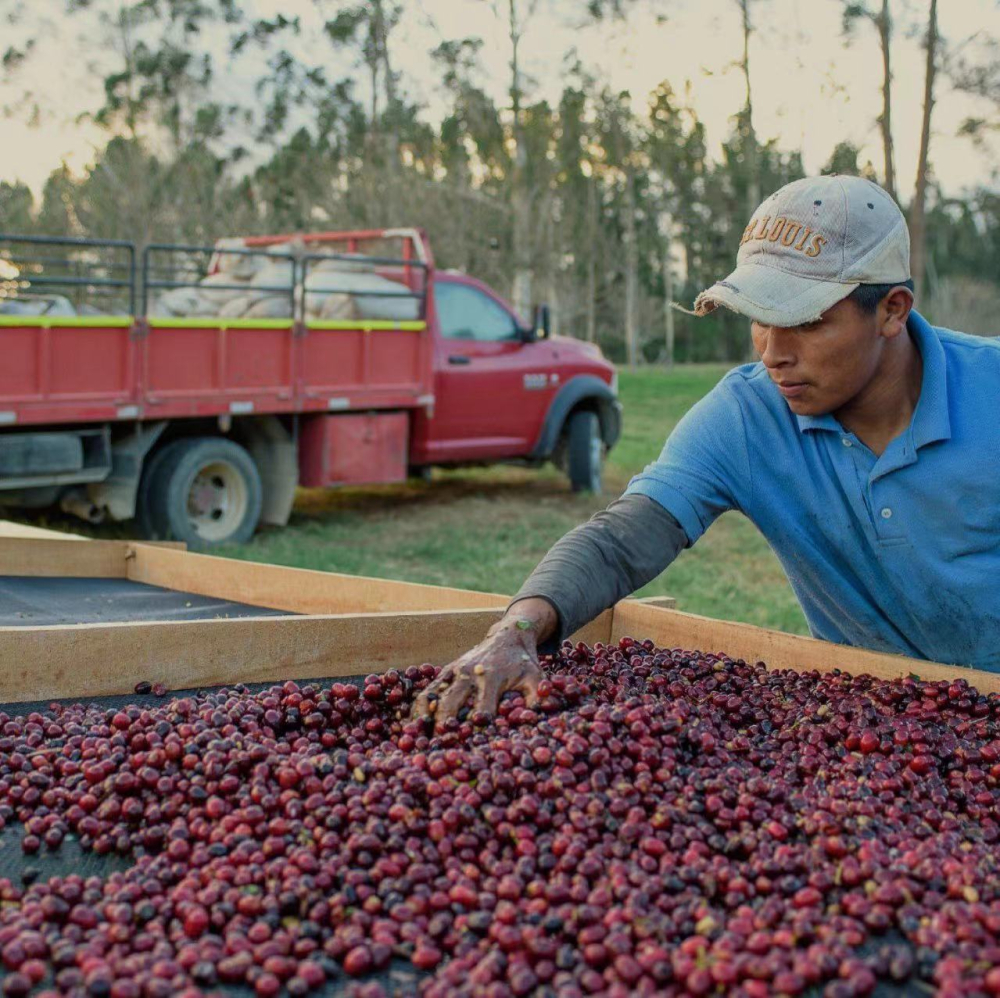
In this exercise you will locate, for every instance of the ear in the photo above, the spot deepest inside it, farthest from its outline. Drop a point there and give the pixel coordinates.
(893, 311)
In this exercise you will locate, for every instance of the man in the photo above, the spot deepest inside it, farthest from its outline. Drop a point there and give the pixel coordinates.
(865, 446)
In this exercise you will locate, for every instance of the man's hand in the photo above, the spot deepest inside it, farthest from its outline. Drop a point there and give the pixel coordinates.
(506, 660)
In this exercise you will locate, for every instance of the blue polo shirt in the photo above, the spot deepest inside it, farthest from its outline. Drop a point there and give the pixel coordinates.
(898, 553)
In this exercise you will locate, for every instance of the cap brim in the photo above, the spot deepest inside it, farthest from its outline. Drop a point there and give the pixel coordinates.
(772, 296)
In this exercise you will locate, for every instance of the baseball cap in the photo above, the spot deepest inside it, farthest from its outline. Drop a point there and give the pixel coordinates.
(809, 245)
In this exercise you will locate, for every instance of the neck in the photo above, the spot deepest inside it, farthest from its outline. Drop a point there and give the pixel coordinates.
(884, 408)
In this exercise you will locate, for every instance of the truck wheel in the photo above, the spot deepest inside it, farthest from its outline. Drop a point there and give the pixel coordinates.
(149, 527)
(205, 491)
(584, 451)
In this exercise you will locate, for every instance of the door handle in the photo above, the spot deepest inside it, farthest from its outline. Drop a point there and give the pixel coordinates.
(458, 358)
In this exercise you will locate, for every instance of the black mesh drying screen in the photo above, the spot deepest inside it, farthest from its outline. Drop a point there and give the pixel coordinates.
(401, 978)
(30, 601)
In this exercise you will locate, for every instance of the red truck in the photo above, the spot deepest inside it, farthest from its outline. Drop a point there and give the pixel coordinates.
(194, 388)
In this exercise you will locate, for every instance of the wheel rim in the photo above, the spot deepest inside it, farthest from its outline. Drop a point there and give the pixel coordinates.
(217, 501)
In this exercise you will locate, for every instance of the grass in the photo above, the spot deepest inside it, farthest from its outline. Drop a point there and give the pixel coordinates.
(487, 528)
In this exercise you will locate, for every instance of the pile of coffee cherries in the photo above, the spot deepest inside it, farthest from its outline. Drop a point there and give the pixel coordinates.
(663, 823)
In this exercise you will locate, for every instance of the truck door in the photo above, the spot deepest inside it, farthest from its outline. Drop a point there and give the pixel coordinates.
(489, 403)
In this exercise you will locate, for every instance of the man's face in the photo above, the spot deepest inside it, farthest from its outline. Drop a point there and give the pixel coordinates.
(820, 367)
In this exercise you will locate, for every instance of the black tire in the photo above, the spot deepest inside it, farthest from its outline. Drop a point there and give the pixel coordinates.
(223, 508)
(584, 451)
(147, 526)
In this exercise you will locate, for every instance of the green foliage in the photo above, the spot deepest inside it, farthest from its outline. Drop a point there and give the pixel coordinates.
(844, 159)
(340, 142)
(16, 207)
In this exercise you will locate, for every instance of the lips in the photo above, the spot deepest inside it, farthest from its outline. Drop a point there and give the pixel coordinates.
(792, 389)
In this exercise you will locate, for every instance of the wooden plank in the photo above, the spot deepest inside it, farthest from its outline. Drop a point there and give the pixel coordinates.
(671, 628)
(665, 602)
(66, 558)
(99, 659)
(296, 590)
(10, 529)
(87, 660)
(598, 629)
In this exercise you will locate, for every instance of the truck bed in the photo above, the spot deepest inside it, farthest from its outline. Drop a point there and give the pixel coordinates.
(83, 369)
(123, 349)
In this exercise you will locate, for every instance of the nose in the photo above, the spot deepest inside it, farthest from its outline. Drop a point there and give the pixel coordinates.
(775, 345)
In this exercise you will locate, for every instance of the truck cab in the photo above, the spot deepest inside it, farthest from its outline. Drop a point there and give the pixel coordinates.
(193, 388)
(505, 389)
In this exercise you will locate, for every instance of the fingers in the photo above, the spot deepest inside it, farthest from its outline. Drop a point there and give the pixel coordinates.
(453, 698)
(529, 686)
(447, 695)
(432, 694)
(492, 684)
(429, 702)
(421, 706)
(489, 691)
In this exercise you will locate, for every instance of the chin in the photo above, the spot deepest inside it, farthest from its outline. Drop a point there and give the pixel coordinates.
(807, 407)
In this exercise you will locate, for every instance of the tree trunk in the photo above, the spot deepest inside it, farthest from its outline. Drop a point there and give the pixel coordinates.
(548, 238)
(524, 272)
(753, 167)
(386, 132)
(631, 270)
(884, 24)
(668, 299)
(592, 259)
(381, 33)
(918, 221)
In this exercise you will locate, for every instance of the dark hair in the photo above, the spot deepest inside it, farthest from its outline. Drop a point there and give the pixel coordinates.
(867, 296)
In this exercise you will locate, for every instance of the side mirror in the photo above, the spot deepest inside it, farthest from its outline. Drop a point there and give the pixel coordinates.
(541, 322)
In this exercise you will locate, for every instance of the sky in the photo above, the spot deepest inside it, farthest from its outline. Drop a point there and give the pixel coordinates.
(812, 87)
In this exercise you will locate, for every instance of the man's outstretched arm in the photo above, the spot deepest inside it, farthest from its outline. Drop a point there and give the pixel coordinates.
(609, 557)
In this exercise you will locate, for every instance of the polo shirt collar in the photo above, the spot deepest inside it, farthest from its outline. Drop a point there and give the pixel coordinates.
(824, 422)
(931, 421)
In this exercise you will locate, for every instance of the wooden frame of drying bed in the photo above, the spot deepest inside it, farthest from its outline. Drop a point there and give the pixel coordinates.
(79, 660)
(345, 625)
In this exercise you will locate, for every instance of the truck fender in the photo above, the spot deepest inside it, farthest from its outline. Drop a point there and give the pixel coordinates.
(117, 492)
(586, 390)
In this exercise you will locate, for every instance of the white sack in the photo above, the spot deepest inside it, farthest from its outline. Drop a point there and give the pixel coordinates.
(271, 307)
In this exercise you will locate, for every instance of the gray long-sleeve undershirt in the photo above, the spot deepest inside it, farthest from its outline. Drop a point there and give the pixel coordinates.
(614, 553)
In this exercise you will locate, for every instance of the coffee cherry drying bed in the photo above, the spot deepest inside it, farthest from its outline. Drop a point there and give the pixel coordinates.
(664, 822)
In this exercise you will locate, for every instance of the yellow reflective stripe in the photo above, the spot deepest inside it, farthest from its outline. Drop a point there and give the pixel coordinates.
(80, 321)
(414, 327)
(123, 322)
(215, 323)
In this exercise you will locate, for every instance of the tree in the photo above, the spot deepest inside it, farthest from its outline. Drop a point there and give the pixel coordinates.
(881, 20)
(675, 146)
(844, 159)
(517, 16)
(746, 118)
(16, 208)
(974, 69)
(918, 207)
(521, 195)
(621, 162)
(368, 27)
